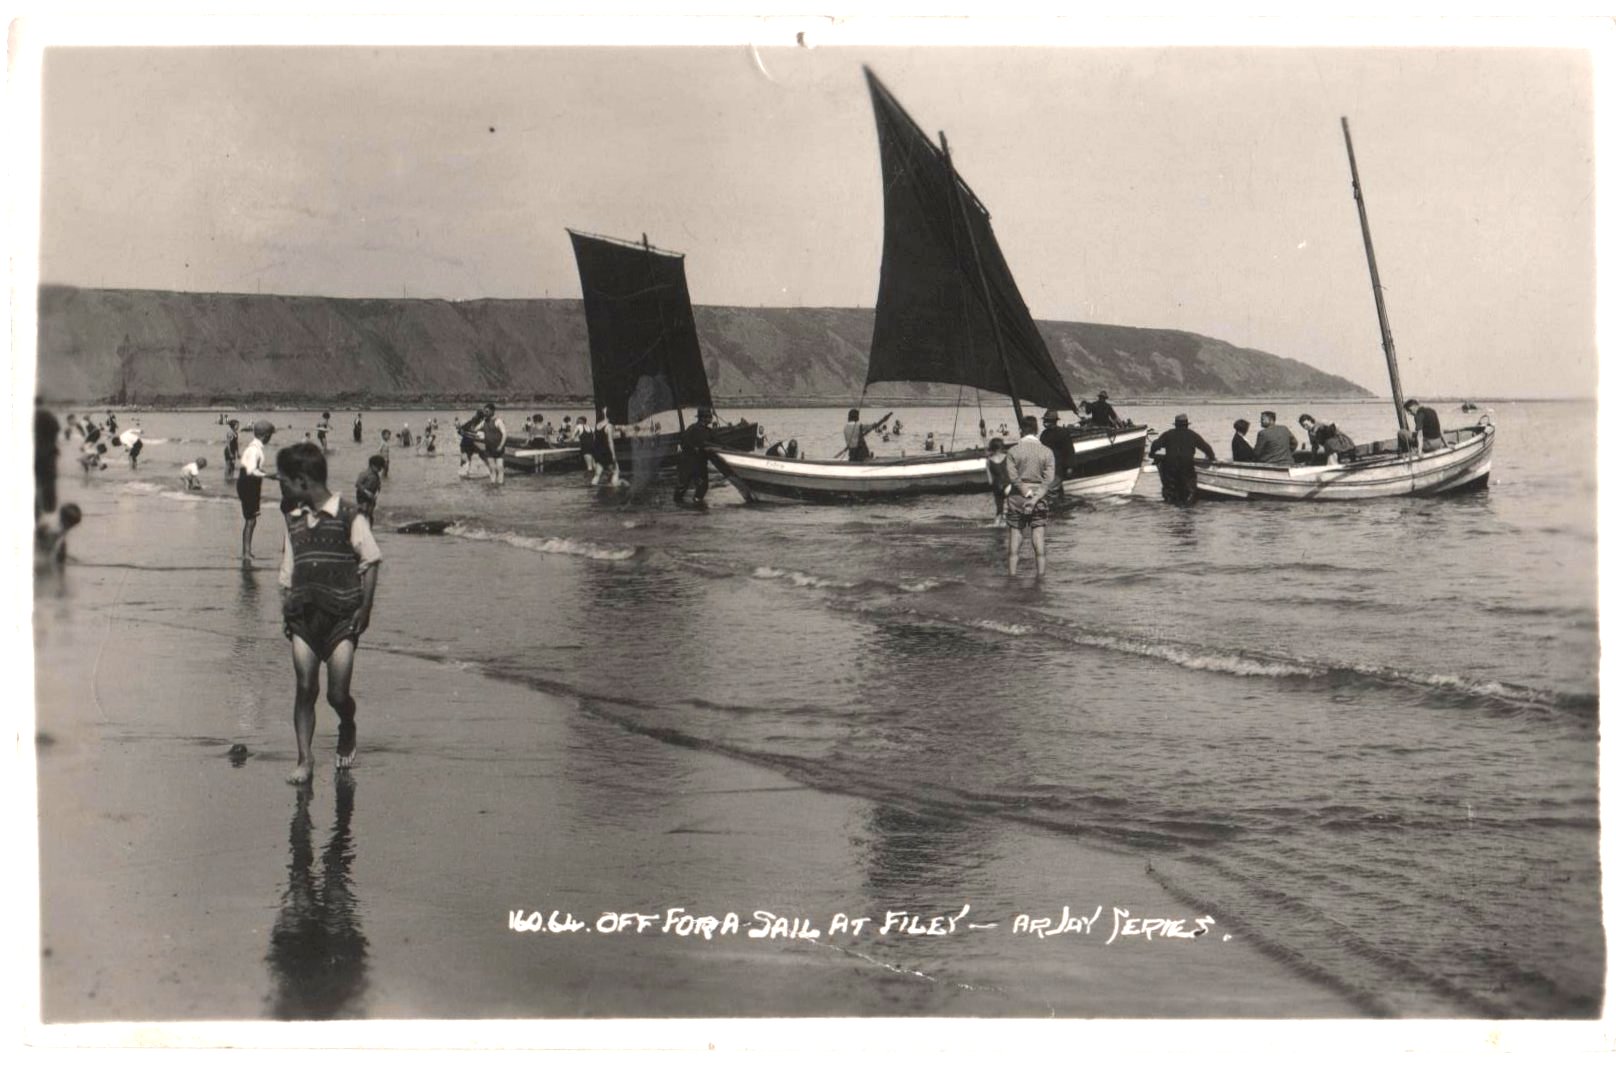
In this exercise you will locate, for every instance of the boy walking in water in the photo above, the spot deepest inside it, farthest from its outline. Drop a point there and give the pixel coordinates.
(328, 579)
(369, 486)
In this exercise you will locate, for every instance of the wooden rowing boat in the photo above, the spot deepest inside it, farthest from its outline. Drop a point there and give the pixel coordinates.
(1391, 468)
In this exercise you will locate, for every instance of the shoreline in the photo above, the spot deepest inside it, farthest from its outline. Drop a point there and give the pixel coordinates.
(180, 884)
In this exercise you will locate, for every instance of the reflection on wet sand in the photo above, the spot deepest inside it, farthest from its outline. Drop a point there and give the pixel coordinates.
(316, 948)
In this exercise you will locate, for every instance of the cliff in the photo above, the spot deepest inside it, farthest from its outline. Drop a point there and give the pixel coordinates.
(168, 348)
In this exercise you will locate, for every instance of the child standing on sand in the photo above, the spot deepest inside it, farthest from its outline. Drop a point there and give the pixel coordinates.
(328, 576)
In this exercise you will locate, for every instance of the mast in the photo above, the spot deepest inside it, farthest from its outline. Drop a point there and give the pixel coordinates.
(981, 277)
(650, 268)
(1374, 281)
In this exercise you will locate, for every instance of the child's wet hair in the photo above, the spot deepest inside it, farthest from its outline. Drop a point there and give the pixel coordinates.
(377, 462)
(70, 515)
(996, 445)
(305, 460)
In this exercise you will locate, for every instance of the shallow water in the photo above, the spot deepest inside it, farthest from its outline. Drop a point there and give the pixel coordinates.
(1366, 734)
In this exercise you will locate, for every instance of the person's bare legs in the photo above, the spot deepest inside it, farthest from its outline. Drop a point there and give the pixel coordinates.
(1015, 549)
(1038, 550)
(307, 664)
(338, 675)
(247, 529)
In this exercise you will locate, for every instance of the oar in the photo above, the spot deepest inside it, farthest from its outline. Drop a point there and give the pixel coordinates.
(876, 426)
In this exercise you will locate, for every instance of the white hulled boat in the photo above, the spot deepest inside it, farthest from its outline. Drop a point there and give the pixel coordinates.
(948, 311)
(1383, 469)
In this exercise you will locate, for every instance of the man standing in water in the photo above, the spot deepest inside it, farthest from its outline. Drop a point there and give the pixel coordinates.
(1058, 440)
(1032, 477)
(250, 484)
(693, 445)
(1177, 468)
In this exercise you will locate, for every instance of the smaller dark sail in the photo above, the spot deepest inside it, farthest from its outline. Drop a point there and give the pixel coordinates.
(948, 309)
(644, 356)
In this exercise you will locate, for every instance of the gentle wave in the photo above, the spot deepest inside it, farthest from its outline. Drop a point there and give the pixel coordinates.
(558, 546)
(804, 580)
(1245, 664)
(172, 493)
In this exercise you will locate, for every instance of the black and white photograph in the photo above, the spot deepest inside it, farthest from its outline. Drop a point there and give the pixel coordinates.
(666, 521)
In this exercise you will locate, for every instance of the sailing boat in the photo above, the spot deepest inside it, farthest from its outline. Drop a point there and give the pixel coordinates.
(1381, 469)
(644, 356)
(948, 311)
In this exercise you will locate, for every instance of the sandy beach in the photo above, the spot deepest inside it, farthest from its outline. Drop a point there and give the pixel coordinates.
(184, 883)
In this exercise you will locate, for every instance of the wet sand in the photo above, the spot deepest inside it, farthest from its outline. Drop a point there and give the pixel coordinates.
(181, 883)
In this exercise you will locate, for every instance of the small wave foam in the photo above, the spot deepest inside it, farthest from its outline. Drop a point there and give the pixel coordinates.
(804, 580)
(1241, 663)
(554, 545)
(801, 579)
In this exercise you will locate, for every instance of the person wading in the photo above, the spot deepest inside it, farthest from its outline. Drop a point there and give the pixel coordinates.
(1032, 477)
(693, 446)
(1177, 466)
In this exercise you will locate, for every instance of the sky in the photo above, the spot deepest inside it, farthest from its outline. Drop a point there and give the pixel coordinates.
(1196, 188)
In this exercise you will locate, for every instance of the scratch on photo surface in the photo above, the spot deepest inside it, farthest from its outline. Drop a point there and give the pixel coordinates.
(758, 59)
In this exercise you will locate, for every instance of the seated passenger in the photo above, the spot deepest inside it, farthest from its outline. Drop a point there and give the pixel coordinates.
(1275, 443)
(1427, 427)
(1326, 441)
(1240, 448)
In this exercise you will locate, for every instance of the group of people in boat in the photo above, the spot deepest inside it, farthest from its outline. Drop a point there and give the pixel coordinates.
(1097, 413)
(1175, 450)
(1327, 442)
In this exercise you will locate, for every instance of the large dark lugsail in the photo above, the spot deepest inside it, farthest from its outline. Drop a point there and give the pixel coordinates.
(937, 307)
(644, 356)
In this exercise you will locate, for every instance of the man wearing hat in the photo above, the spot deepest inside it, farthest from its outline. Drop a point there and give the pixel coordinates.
(1177, 466)
(693, 446)
(1102, 414)
(250, 484)
(1058, 440)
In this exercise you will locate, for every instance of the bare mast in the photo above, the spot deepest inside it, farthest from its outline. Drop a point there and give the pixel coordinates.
(1374, 281)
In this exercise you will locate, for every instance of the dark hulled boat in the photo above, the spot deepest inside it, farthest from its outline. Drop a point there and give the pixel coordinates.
(644, 355)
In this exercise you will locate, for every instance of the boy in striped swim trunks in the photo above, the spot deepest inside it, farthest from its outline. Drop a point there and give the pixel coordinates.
(328, 583)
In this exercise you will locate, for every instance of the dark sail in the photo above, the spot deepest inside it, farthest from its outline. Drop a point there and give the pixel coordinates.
(933, 320)
(644, 357)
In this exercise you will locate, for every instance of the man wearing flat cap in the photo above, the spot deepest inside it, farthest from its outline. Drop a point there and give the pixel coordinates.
(1176, 449)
